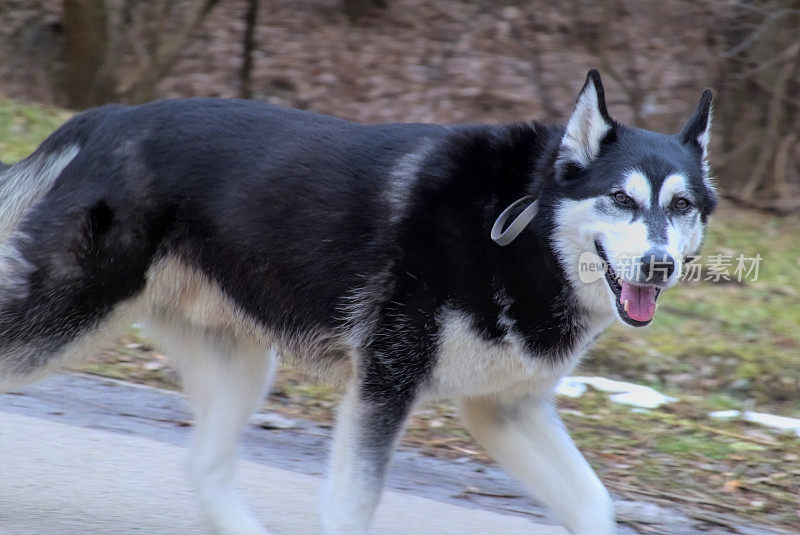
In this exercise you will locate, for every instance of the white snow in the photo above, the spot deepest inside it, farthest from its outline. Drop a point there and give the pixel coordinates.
(622, 391)
(782, 423)
(644, 397)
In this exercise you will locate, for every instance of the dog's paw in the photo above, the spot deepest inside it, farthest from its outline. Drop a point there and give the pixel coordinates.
(235, 521)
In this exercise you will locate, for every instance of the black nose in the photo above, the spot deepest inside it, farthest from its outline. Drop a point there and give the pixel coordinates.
(657, 266)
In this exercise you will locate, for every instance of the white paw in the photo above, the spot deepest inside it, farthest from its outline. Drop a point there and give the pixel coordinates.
(231, 517)
(596, 517)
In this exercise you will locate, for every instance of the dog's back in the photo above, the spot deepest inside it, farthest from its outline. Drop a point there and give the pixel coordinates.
(279, 211)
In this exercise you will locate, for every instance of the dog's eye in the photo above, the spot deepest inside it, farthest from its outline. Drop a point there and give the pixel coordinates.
(621, 198)
(681, 204)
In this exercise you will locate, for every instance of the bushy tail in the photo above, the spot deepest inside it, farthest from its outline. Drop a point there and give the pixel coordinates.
(27, 181)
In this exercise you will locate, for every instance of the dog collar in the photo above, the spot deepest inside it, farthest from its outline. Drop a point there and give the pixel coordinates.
(514, 229)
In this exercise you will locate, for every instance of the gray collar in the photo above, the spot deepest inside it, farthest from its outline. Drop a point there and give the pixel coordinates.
(514, 229)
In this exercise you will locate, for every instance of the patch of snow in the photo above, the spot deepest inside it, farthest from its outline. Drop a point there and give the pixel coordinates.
(571, 389)
(644, 397)
(725, 415)
(622, 391)
(272, 420)
(782, 423)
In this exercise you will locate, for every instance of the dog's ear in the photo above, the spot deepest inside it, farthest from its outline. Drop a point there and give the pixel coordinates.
(588, 126)
(697, 130)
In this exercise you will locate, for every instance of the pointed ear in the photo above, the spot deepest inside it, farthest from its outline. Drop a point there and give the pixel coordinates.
(587, 126)
(697, 129)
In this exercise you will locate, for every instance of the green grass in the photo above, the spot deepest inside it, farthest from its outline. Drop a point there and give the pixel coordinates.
(24, 126)
(678, 457)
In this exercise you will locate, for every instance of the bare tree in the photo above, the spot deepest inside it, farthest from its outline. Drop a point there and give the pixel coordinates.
(758, 110)
(248, 45)
(86, 29)
(596, 30)
(120, 49)
(354, 9)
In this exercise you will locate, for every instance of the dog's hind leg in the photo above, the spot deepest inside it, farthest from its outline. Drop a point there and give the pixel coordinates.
(224, 382)
(529, 440)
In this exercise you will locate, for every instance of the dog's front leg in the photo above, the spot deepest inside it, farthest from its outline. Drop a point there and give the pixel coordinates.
(527, 437)
(371, 418)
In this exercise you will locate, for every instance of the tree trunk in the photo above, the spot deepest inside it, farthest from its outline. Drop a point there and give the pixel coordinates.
(758, 103)
(140, 85)
(355, 9)
(248, 45)
(86, 37)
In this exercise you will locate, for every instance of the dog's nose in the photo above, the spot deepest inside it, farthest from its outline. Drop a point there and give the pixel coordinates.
(657, 266)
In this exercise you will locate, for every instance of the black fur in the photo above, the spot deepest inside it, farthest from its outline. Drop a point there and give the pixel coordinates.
(287, 211)
(312, 226)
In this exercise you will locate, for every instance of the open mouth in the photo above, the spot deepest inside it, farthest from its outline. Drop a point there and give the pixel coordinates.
(636, 303)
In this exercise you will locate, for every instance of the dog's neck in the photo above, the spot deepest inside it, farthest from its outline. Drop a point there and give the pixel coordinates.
(523, 283)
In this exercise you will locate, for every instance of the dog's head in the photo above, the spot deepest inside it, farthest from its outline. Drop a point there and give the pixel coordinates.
(628, 205)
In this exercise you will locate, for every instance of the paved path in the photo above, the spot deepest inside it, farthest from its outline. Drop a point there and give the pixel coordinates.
(81, 455)
(64, 479)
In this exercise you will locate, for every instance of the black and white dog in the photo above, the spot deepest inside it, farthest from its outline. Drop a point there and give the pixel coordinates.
(240, 232)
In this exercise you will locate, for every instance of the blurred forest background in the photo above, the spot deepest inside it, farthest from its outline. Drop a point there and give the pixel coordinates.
(715, 345)
(438, 60)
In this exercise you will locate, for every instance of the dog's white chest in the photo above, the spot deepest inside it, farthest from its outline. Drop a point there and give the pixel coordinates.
(469, 365)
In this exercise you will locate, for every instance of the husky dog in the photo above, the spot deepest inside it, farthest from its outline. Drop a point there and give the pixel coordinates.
(239, 232)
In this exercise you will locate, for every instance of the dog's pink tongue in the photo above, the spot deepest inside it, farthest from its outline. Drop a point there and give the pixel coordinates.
(641, 301)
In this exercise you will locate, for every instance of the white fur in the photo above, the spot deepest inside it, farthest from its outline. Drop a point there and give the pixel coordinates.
(352, 489)
(466, 365)
(404, 173)
(637, 187)
(25, 182)
(14, 269)
(21, 186)
(224, 381)
(579, 224)
(585, 130)
(704, 139)
(469, 365)
(685, 232)
(505, 392)
(225, 367)
(684, 235)
(623, 239)
(525, 435)
(226, 363)
(673, 186)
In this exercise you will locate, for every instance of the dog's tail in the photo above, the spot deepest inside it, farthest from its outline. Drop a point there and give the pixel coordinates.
(58, 282)
(22, 184)
(27, 181)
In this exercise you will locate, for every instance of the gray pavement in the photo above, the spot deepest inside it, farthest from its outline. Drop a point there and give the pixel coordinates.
(64, 479)
(87, 455)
